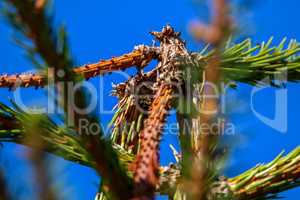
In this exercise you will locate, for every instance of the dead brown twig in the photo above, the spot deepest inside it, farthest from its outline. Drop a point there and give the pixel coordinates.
(139, 57)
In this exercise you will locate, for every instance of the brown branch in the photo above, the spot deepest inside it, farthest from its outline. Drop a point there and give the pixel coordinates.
(169, 80)
(215, 32)
(199, 185)
(139, 57)
(146, 175)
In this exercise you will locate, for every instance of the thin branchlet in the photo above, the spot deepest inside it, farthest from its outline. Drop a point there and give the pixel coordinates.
(139, 57)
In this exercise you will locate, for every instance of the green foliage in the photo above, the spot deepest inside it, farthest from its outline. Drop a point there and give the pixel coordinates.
(60, 141)
(267, 180)
(244, 62)
(248, 63)
(51, 46)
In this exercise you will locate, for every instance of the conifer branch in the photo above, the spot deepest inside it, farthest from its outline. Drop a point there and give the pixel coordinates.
(34, 24)
(139, 57)
(135, 97)
(241, 62)
(264, 181)
(168, 81)
(248, 63)
(197, 183)
(261, 181)
(60, 141)
(31, 25)
(268, 180)
(147, 160)
(22, 80)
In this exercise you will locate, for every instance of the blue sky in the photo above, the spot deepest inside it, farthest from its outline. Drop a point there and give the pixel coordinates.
(102, 29)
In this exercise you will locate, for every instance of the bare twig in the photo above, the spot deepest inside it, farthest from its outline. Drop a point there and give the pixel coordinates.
(139, 57)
